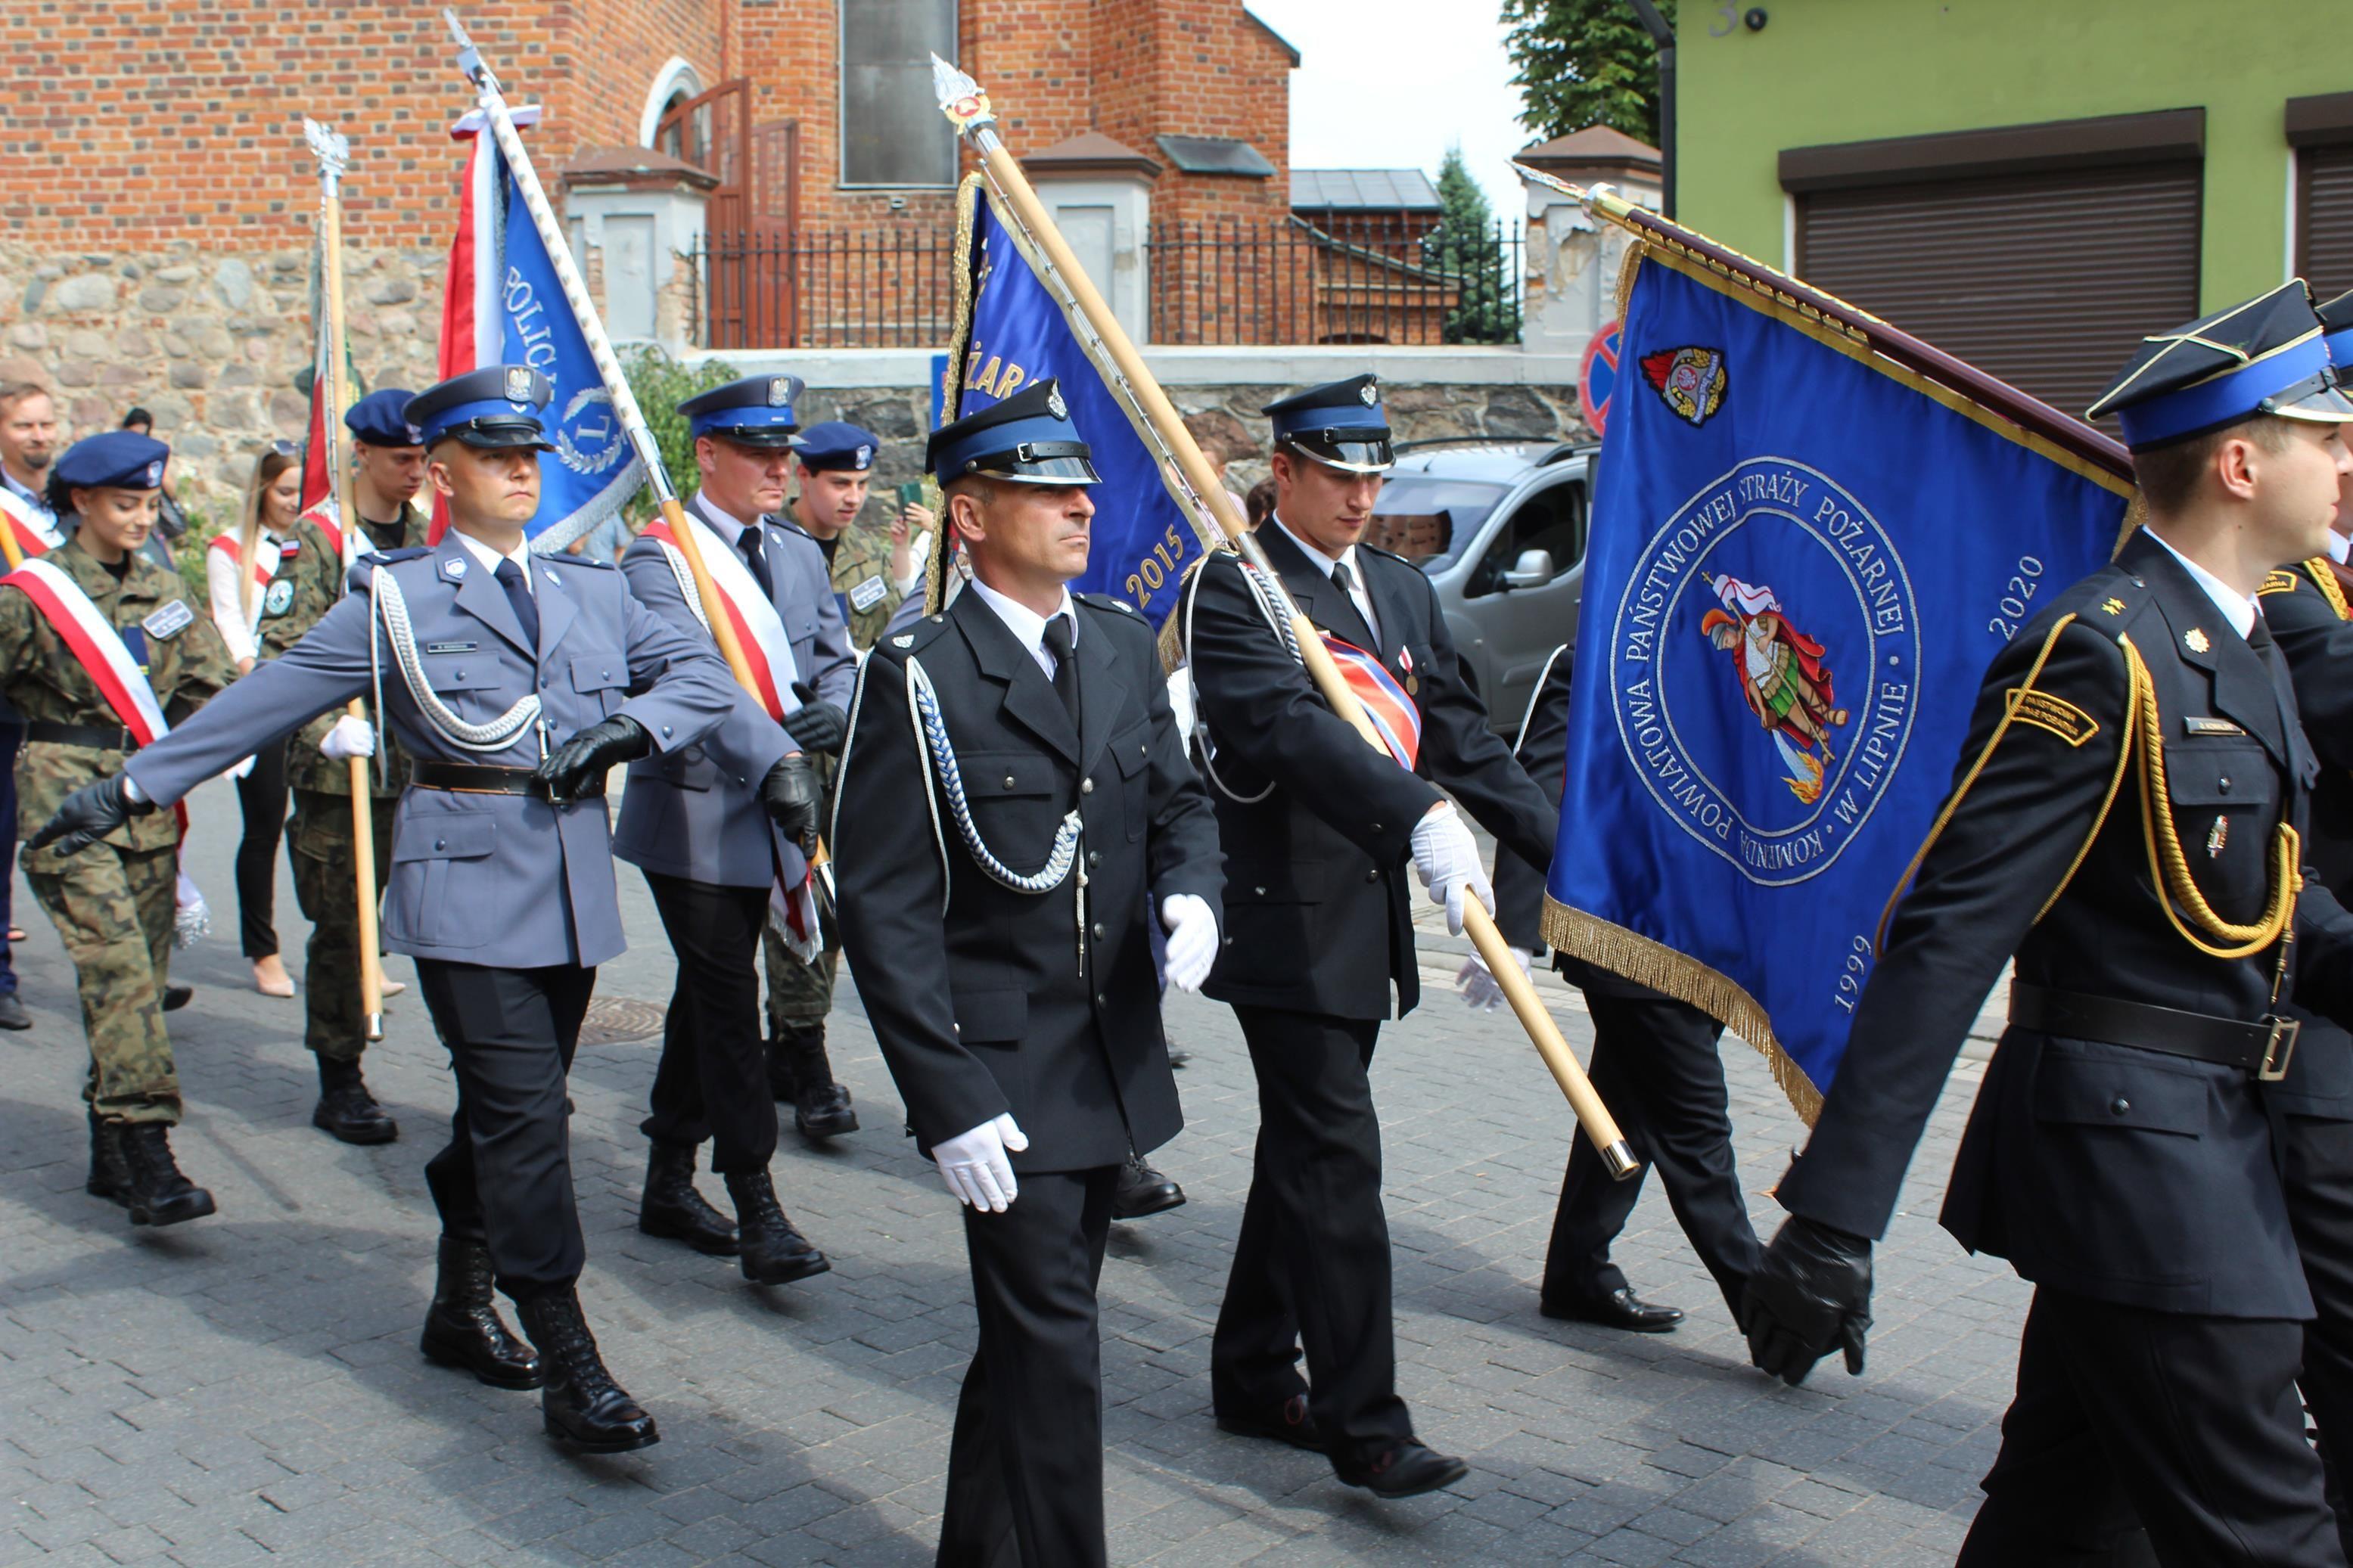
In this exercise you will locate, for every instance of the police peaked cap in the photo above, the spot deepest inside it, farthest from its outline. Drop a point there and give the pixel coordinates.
(118, 460)
(1341, 423)
(757, 411)
(1028, 438)
(834, 446)
(495, 408)
(2337, 330)
(2267, 356)
(381, 419)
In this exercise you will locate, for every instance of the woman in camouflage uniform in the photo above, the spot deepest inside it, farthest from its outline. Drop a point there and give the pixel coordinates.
(112, 905)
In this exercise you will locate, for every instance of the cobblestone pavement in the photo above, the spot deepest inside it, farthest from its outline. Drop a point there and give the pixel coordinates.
(247, 1387)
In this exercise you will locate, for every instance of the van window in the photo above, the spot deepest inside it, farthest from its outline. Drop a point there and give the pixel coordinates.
(1551, 520)
(1421, 517)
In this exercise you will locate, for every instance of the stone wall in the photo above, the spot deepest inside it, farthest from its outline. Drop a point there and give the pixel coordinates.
(213, 345)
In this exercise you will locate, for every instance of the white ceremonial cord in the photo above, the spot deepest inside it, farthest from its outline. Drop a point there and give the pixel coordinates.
(497, 735)
(1201, 724)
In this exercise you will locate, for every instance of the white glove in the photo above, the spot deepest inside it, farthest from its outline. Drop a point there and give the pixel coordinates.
(1482, 992)
(350, 737)
(975, 1168)
(1446, 859)
(1192, 939)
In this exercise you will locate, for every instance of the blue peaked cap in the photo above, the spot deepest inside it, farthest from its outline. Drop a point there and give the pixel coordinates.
(495, 408)
(1340, 423)
(2267, 356)
(757, 411)
(2336, 331)
(1029, 436)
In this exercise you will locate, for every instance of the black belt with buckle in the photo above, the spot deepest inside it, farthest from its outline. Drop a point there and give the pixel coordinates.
(2263, 1048)
(476, 778)
(97, 737)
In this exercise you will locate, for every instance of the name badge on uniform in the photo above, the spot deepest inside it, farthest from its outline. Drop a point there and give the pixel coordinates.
(2198, 724)
(172, 619)
(277, 599)
(451, 647)
(868, 594)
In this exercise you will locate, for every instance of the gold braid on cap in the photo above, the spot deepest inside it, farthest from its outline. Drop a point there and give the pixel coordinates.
(2170, 868)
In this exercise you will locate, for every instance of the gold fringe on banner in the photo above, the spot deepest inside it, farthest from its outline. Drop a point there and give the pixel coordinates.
(1663, 969)
(960, 258)
(1626, 271)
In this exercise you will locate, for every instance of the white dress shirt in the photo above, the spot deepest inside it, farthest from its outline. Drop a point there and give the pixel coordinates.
(715, 514)
(489, 558)
(225, 575)
(1357, 594)
(1027, 626)
(2242, 610)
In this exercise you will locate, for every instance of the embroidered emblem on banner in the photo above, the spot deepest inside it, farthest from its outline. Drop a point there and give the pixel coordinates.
(2056, 714)
(1691, 381)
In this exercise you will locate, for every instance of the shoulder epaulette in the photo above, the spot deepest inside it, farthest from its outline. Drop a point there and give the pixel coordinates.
(914, 639)
(2277, 583)
(2110, 607)
(558, 558)
(357, 578)
(1112, 602)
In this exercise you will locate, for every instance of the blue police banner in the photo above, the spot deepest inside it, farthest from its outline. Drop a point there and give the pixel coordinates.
(504, 306)
(1803, 557)
(1011, 329)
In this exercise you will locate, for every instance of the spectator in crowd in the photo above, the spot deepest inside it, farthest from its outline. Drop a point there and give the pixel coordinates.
(171, 522)
(1258, 505)
(246, 572)
(28, 439)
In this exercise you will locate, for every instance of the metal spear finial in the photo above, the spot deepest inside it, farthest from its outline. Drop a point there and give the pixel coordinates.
(469, 58)
(960, 97)
(333, 149)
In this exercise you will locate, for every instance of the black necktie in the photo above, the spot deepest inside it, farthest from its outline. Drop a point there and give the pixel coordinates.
(756, 559)
(510, 576)
(1061, 637)
(1343, 581)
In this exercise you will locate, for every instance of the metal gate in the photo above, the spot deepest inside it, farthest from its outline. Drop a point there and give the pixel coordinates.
(748, 300)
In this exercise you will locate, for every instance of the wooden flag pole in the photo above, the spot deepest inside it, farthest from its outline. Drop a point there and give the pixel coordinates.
(967, 108)
(333, 152)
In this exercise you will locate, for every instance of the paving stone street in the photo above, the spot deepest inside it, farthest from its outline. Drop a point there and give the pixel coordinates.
(247, 1388)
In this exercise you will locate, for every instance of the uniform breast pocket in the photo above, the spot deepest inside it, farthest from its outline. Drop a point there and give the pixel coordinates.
(474, 686)
(1131, 753)
(2225, 796)
(602, 679)
(1016, 799)
(441, 893)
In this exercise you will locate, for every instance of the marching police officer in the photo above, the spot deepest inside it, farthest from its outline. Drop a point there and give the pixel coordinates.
(999, 876)
(515, 683)
(1654, 1064)
(1319, 829)
(692, 821)
(98, 650)
(2127, 822)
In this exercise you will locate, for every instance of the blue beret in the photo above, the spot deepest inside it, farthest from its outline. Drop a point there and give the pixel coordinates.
(2265, 356)
(381, 419)
(1027, 436)
(834, 445)
(119, 459)
(757, 411)
(495, 407)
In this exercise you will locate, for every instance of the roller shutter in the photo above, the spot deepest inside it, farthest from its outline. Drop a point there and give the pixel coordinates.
(2045, 278)
(2324, 218)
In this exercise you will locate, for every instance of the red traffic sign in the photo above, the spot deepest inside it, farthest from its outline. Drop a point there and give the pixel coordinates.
(1597, 377)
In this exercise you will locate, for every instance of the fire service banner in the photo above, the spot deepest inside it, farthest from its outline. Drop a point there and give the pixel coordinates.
(1803, 558)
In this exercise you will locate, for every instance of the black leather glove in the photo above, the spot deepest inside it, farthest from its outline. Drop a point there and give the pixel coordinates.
(89, 814)
(817, 725)
(588, 755)
(790, 795)
(1811, 1292)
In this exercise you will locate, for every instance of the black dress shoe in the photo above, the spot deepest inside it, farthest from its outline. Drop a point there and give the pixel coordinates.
(1409, 1469)
(463, 1329)
(772, 1252)
(1144, 1191)
(584, 1409)
(1621, 1309)
(158, 1194)
(178, 996)
(671, 1208)
(1289, 1421)
(347, 1110)
(11, 1012)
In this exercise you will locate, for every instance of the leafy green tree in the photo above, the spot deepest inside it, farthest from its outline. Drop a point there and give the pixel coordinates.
(1584, 62)
(1467, 248)
(661, 384)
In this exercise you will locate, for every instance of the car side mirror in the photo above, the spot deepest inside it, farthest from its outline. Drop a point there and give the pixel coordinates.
(1534, 570)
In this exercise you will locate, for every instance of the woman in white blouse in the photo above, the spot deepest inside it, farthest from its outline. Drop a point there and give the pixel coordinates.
(240, 569)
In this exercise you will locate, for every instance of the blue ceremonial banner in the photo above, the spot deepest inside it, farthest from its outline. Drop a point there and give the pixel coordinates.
(504, 306)
(1803, 557)
(1010, 330)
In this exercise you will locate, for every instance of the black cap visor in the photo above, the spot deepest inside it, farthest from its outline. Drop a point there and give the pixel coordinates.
(2319, 399)
(1351, 451)
(1038, 463)
(759, 437)
(500, 435)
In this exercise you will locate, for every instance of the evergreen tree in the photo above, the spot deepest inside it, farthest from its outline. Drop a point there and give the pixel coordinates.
(1467, 248)
(1584, 62)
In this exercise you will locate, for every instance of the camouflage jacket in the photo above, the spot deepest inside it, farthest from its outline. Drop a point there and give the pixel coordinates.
(185, 664)
(861, 580)
(319, 577)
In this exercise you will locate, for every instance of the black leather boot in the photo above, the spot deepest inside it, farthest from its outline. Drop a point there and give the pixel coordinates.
(109, 1174)
(820, 1106)
(158, 1193)
(774, 1252)
(463, 1329)
(671, 1206)
(585, 1409)
(347, 1110)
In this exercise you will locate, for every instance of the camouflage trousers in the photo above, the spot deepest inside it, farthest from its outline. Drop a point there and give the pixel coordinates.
(112, 909)
(801, 994)
(319, 844)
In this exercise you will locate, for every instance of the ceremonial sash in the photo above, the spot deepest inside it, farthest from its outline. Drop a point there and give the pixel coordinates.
(99, 648)
(265, 554)
(758, 629)
(1393, 713)
(34, 537)
(323, 514)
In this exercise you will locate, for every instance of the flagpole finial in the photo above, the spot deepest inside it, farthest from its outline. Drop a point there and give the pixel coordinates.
(469, 58)
(333, 149)
(960, 97)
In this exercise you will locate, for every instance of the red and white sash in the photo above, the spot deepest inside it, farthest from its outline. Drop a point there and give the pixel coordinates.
(1392, 711)
(758, 629)
(265, 556)
(34, 536)
(323, 514)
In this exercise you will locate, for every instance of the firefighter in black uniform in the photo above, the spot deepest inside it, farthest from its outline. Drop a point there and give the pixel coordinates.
(1319, 830)
(998, 875)
(2127, 820)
